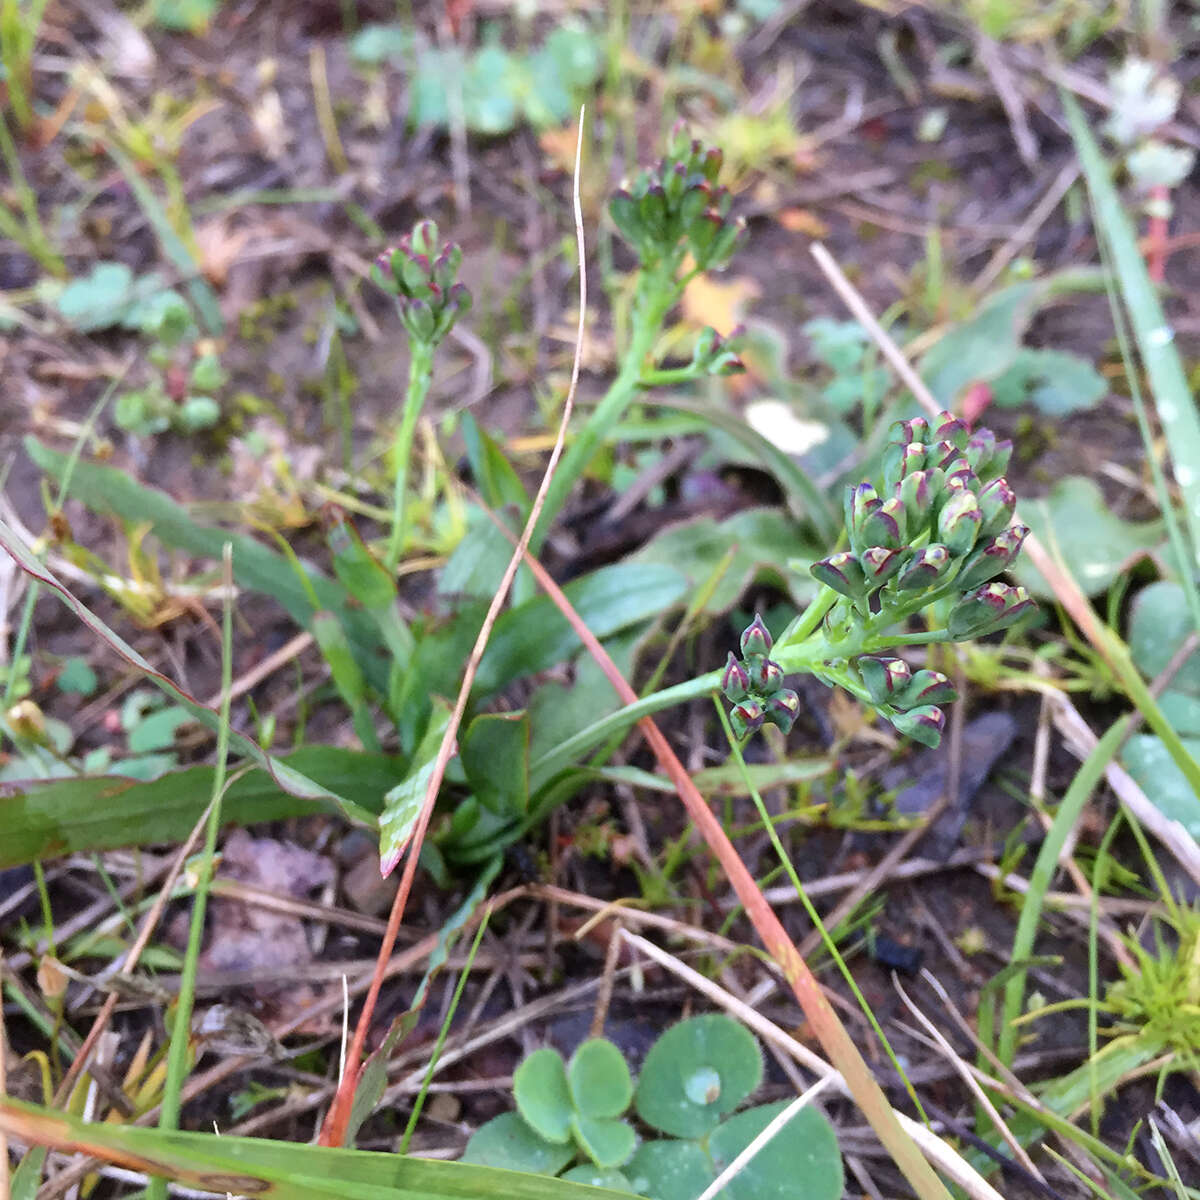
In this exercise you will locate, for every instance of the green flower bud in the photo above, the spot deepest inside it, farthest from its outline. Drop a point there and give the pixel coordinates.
(884, 525)
(920, 494)
(418, 317)
(923, 724)
(653, 211)
(952, 430)
(424, 238)
(675, 180)
(941, 454)
(980, 448)
(783, 708)
(904, 432)
(959, 522)
(843, 573)
(988, 609)
(926, 687)
(623, 209)
(901, 459)
(735, 683)
(747, 717)
(695, 201)
(992, 557)
(861, 501)
(998, 463)
(884, 678)
(926, 568)
(709, 163)
(756, 639)
(766, 677)
(997, 502)
(879, 564)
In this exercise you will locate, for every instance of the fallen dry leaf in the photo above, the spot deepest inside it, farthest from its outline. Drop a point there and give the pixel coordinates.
(802, 220)
(709, 302)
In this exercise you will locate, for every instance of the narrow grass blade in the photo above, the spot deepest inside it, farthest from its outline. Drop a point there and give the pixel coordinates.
(282, 1170)
(287, 778)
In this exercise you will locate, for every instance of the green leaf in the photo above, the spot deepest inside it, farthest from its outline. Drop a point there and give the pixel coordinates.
(335, 649)
(402, 804)
(764, 540)
(606, 1142)
(711, 1043)
(540, 1090)
(437, 71)
(478, 562)
(1158, 626)
(670, 1170)
(46, 819)
(1147, 759)
(285, 1170)
(488, 99)
(1076, 524)
(599, 1079)
(601, 1177)
(801, 1162)
(1057, 382)
(185, 16)
(506, 1141)
(495, 477)
(76, 677)
(536, 635)
(984, 347)
(374, 44)
(495, 757)
(99, 299)
(157, 731)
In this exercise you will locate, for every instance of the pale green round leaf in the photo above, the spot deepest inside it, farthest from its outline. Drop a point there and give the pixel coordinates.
(801, 1162)
(669, 1170)
(600, 1177)
(599, 1079)
(506, 1141)
(606, 1142)
(540, 1089)
(669, 1074)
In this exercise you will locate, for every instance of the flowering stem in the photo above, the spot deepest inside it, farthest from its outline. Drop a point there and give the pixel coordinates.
(420, 374)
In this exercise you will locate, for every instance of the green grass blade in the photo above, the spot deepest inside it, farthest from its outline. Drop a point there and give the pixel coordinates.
(287, 778)
(1172, 397)
(281, 1170)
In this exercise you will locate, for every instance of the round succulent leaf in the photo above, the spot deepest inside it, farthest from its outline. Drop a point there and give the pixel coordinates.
(801, 1162)
(669, 1170)
(541, 1092)
(599, 1079)
(599, 1177)
(506, 1141)
(714, 1041)
(607, 1142)
(1158, 625)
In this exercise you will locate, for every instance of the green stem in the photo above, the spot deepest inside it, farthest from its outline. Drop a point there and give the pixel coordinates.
(657, 292)
(420, 374)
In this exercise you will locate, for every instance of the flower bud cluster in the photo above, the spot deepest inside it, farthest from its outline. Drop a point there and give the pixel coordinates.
(754, 685)
(909, 699)
(937, 523)
(716, 355)
(678, 207)
(421, 273)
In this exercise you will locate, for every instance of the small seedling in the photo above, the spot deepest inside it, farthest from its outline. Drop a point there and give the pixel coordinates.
(694, 1077)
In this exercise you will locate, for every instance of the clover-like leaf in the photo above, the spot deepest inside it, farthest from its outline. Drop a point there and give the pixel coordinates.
(669, 1170)
(599, 1079)
(507, 1141)
(680, 1067)
(801, 1162)
(606, 1142)
(542, 1096)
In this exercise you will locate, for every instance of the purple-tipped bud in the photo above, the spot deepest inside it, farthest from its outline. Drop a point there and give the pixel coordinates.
(901, 459)
(952, 430)
(674, 182)
(747, 717)
(652, 208)
(941, 454)
(920, 493)
(843, 573)
(992, 557)
(924, 724)
(926, 687)
(710, 163)
(755, 638)
(904, 432)
(993, 607)
(424, 238)
(694, 201)
(735, 682)
(928, 566)
(766, 677)
(959, 522)
(879, 564)
(702, 234)
(860, 502)
(980, 448)
(623, 209)
(997, 502)
(884, 678)
(418, 316)
(998, 463)
(885, 525)
(783, 708)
